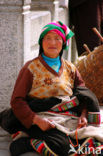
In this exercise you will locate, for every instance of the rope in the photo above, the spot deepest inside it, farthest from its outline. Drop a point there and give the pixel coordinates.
(76, 135)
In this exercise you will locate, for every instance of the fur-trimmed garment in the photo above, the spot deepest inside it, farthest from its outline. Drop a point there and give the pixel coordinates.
(58, 96)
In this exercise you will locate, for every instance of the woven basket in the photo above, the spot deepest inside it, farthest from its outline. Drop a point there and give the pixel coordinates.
(91, 70)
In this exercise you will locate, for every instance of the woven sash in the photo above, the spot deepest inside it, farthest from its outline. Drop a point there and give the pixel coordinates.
(66, 105)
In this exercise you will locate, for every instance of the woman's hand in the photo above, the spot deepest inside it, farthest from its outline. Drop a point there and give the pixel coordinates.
(82, 121)
(43, 124)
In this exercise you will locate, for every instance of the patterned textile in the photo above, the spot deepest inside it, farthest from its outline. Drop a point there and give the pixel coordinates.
(94, 118)
(67, 124)
(18, 135)
(48, 83)
(90, 147)
(60, 29)
(41, 147)
(66, 105)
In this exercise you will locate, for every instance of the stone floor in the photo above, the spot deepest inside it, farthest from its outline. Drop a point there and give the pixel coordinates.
(5, 141)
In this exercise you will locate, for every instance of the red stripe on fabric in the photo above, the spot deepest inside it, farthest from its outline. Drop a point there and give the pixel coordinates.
(66, 113)
(74, 103)
(14, 135)
(40, 148)
(59, 108)
(95, 122)
(59, 33)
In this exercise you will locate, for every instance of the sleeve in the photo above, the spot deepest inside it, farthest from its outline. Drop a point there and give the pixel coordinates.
(86, 97)
(78, 80)
(18, 100)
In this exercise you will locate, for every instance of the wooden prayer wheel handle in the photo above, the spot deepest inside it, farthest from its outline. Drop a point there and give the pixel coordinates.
(86, 48)
(98, 34)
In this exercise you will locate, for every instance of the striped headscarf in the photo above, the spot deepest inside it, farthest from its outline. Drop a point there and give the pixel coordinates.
(61, 29)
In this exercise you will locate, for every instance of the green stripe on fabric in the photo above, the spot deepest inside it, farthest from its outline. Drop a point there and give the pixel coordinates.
(51, 26)
(69, 35)
(48, 28)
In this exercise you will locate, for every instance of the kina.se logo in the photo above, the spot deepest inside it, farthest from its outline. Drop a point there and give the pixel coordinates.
(84, 150)
(72, 149)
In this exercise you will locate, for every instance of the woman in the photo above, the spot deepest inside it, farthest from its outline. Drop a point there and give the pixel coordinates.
(43, 78)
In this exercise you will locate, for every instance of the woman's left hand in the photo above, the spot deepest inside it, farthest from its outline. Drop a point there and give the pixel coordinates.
(82, 121)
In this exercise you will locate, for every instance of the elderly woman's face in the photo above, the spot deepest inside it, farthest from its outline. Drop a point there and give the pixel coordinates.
(52, 44)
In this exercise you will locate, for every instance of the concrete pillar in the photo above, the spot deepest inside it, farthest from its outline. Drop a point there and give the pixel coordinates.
(13, 16)
(38, 20)
(26, 29)
(51, 5)
(63, 3)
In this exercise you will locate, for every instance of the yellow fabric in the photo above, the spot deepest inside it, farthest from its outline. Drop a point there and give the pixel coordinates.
(46, 84)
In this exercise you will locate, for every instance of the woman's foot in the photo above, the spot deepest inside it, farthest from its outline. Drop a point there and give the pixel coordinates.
(20, 146)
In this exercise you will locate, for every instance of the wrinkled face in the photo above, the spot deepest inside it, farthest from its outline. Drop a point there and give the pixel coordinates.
(52, 44)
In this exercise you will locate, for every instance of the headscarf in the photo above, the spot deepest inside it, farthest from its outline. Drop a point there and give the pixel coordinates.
(61, 29)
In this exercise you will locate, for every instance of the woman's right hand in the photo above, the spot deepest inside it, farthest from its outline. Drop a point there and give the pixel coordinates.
(43, 124)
